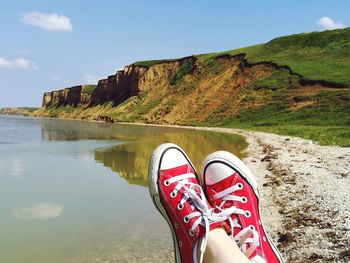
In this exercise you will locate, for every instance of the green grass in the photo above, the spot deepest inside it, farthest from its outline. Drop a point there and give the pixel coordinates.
(315, 56)
(142, 109)
(324, 135)
(138, 110)
(276, 81)
(147, 63)
(326, 121)
(88, 89)
(52, 106)
(185, 69)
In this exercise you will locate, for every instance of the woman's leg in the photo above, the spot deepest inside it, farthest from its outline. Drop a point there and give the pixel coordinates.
(222, 249)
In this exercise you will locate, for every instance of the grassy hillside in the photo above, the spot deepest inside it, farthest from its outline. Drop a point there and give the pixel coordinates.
(315, 56)
(321, 114)
(226, 91)
(148, 63)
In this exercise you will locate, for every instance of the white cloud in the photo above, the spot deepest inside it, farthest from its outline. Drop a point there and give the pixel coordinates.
(18, 63)
(50, 22)
(23, 63)
(56, 78)
(4, 63)
(41, 211)
(329, 24)
(91, 79)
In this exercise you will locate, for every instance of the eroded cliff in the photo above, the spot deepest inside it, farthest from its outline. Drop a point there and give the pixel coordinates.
(68, 96)
(126, 83)
(192, 91)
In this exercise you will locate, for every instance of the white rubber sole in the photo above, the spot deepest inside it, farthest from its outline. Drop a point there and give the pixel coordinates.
(235, 163)
(153, 173)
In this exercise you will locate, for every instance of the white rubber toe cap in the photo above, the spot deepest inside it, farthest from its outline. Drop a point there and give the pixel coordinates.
(216, 172)
(172, 158)
(231, 161)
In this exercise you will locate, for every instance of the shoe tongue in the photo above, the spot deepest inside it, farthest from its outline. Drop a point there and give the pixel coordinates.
(221, 185)
(218, 187)
(197, 190)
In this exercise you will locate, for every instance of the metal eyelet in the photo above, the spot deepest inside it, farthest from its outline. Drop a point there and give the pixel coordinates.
(173, 194)
(252, 227)
(166, 183)
(244, 199)
(247, 213)
(186, 220)
(180, 206)
(240, 185)
(191, 232)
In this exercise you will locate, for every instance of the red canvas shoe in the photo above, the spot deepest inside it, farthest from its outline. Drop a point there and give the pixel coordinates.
(232, 190)
(175, 190)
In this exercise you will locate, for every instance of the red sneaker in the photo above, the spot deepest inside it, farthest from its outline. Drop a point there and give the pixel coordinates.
(175, 190)
(232, 190)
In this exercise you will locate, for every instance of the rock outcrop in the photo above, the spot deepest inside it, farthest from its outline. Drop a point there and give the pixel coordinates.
(47, 99)
(119, 87)
(72, 96)
(85, 98)
(68, 96)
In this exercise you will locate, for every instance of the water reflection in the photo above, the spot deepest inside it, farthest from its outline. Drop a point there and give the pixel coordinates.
(130, 159)
(73, 130)
(41, 211)
(17, 167)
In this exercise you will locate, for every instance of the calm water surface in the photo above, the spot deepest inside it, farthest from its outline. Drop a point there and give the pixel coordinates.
(73, 191)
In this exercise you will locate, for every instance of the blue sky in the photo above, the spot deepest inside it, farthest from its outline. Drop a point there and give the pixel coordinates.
(48, 45)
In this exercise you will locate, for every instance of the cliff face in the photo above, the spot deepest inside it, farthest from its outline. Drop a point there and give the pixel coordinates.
(68, 96)
(220, 90)
(47, 99)
(117, 88)
(85, 98)
(72, 96)
(133, 80)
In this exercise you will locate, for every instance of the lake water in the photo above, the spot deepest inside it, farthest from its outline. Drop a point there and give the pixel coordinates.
(74, 191)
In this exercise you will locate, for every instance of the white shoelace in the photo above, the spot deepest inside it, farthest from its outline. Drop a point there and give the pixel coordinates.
(194, 193)
(243, 237)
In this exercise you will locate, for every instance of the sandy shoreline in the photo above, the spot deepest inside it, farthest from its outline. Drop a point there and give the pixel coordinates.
(309, 186)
